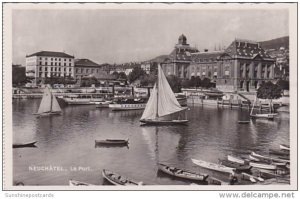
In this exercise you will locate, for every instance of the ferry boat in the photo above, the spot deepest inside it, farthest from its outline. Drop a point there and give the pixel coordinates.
(83, 99)
(128, 104)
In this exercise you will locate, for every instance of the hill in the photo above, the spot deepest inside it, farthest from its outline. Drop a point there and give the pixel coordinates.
(276, 43)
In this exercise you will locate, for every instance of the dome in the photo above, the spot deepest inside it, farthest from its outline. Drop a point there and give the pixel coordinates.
(182, 39)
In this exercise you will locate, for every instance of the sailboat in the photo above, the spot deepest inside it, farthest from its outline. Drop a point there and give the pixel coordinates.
(49, 104)
(269, 116)
(162, 106)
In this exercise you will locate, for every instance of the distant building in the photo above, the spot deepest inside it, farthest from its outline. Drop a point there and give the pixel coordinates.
(45, 64)
(180, 58)
(87, 68)
(244, 65)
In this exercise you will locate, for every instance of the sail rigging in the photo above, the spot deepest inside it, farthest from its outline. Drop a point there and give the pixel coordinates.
(49, 103)
(162, 101)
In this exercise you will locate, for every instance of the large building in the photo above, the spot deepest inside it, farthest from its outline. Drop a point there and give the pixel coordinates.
(45, 64)
(180, 58)
(244, 65)
(87, 68)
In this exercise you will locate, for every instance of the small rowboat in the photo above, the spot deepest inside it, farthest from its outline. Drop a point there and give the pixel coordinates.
(263, 166)
(239, 167)
(254, 158)
(244, 121)
(267, 174)
(284, 147)
(117, 179)
(213, 166)
(112, 142)
(235, 159)
(78, 183)
(31, 144)
(246, 176)
(279, 152)
(182, 173)
(269, 116)
(262, 157)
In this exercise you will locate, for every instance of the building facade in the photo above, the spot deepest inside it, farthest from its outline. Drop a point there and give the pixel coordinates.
(46, 64)
(242, 66)
(178, 62)
(87, 68)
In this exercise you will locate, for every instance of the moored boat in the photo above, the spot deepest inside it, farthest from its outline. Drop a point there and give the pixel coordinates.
(284, 147)
(20, 145)
(252, 178)
(262, 157)
(112, 142)
(213, 166)
(244, 121)
(128, 104)
(83, 99)
(235, 159)
(239, 167)
(182, 173)
(117, 179)
(102, 104)
(268, 174)
(263, 166)
(279, 152)
(78, 183)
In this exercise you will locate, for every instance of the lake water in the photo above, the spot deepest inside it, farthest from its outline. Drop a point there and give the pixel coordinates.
(68, 142)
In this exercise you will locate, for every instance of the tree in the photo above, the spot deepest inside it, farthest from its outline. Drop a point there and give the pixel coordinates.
(206, 83)
(136, 73)
(19, 76)
(269, 91)
(192, 82)
(123, 76)
(284, 84)
(115, 74)
(175, 83)
(197, 81)
(89, 81)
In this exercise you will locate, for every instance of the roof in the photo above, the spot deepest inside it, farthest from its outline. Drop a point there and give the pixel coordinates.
(246, 49)
(206, 56)
(50, 54)
(181, 53)
(85, 63)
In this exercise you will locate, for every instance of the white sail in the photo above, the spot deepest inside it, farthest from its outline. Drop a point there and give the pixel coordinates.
(49, 103)
(151, 107)
(45, 105)
(167, 102)
(55, 105)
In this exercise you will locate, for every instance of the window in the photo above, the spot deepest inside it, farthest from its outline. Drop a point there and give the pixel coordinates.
(58, 69)
(59, 59)
(64, 64)
(40, 58)
(59, 63)
(46, 68)
(70, 69)
(55, 64)
(40, 68)
(77, 70)
(55, 59)
(51, 59)
(51, 63)
(70, 60)
(40, 63)
(65, 59)
(87, 70)
(51, 69)
(46, 63)
(55, 69)
(92, 70)
(46, 58)
(65, 69)
(70, 64)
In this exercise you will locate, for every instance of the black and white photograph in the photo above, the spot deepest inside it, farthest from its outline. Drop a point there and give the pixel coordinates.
(150, 96)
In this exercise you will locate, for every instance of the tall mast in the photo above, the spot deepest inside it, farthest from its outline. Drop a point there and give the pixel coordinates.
(51, 101)
(157, 85)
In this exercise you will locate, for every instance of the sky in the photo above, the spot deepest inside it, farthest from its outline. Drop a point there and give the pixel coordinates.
(120, 36)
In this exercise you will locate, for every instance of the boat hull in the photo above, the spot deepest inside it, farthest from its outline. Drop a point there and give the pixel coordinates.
(163, 122)
(179, 173)
(239, 167)
(263, 166)
(270, 116)
(125, 107)
(111, 142)
(78, 183)
(235, 159)
(32, 144)
(115, 179)
(213, 166)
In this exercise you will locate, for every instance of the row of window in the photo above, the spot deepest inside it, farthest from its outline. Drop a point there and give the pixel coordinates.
(54, 69)
(55, 64)
(54, 75)
(55, 59)
(86, 70)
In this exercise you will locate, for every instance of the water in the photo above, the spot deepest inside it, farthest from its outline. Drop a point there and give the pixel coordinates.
(68, 142)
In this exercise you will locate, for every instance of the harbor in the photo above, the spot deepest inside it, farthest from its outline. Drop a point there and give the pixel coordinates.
(68, 141)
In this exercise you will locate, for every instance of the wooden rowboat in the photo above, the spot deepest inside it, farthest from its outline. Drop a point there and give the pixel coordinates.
(263, 166)
(279, 152)
(262, 157)
(112, 142)
(31, 144)
(117, 179)
(284, 147)
(213, 166)
(244, 122)
(239, 167)
(78, 183)
(180, 173)
(235, 159)
(246, 176)
(267, 174)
